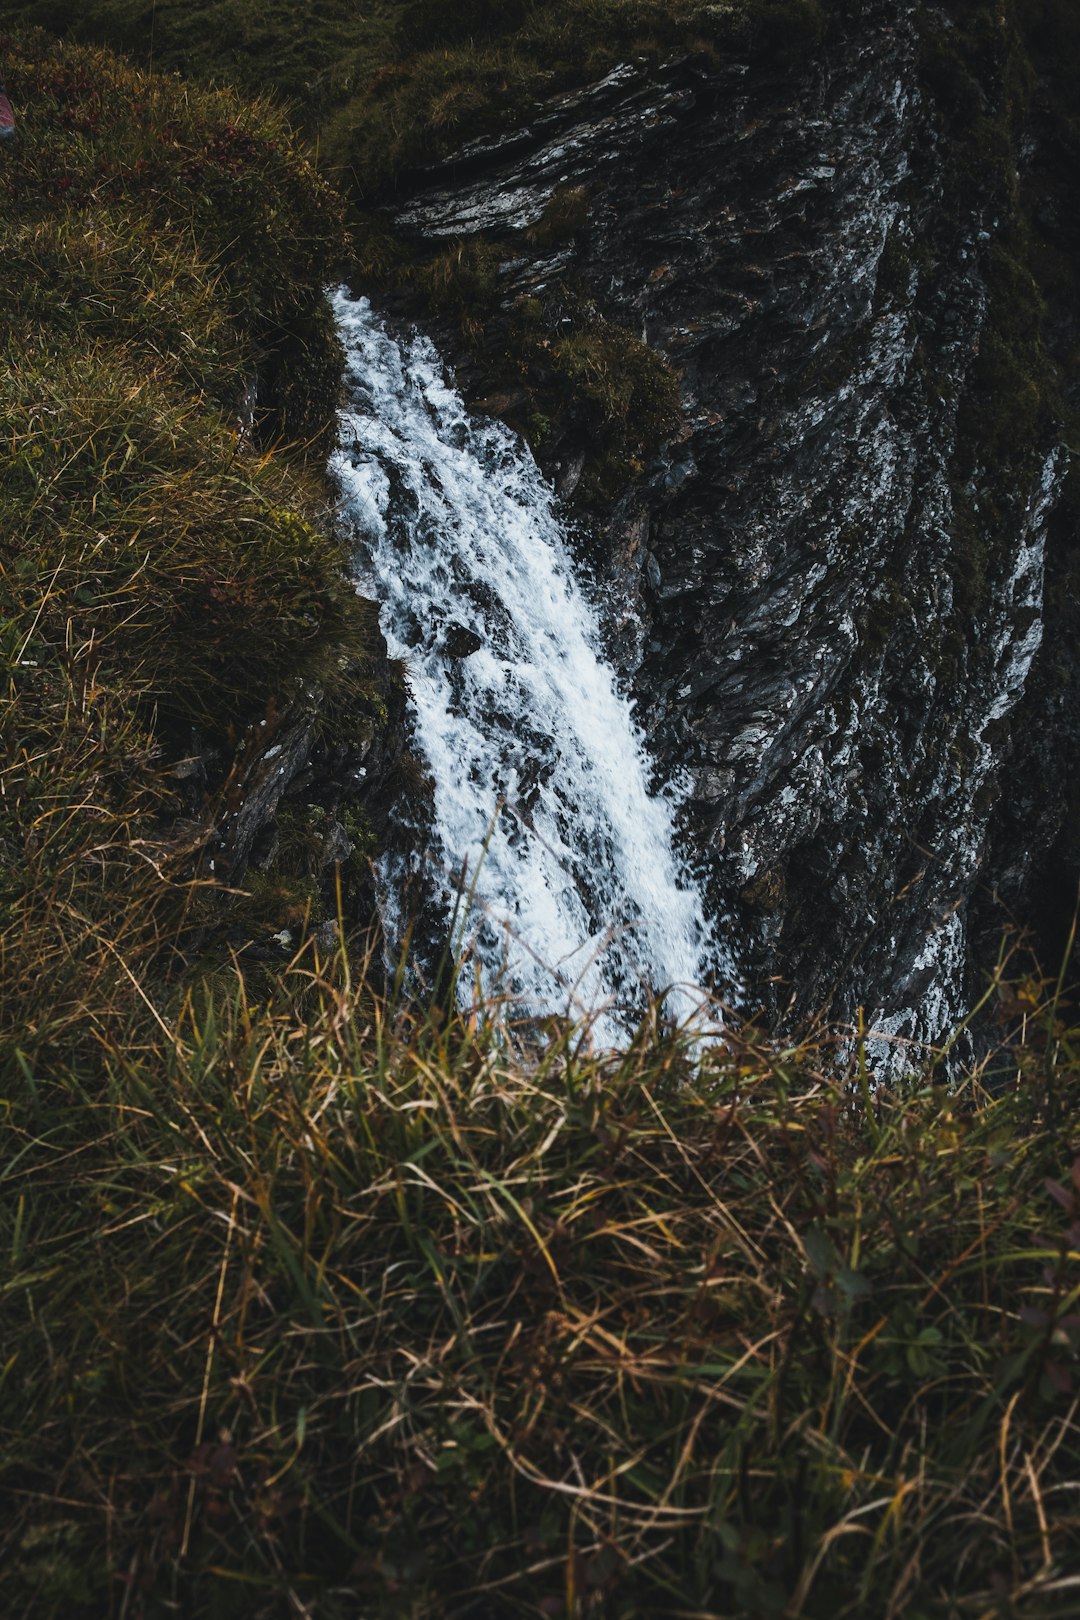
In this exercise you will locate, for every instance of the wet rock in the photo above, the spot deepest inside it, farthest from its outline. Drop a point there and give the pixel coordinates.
(268, 766)
(830, 594)
(591, 130)
(460, 642)
(337, 846)
(326, 780)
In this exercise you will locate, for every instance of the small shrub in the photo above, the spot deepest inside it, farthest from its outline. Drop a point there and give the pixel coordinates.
(461, 284)
(624, 392)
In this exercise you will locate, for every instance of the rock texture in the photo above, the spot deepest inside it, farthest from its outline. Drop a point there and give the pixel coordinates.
(304, 800)
(829, 591)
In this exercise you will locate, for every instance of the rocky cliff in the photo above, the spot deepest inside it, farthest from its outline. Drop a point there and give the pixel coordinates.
(782, 293)
(829, 588)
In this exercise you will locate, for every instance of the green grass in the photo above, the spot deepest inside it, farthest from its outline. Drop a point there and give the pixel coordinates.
(165, 584)
(323, 1306)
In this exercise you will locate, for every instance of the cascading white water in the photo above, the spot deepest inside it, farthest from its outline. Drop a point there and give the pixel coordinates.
(542, 802)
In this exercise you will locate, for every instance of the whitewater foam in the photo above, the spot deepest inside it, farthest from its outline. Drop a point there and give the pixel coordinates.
(543, 804)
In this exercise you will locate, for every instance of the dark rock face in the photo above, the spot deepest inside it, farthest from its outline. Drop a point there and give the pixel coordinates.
(290, 762)
(332, 782)
(829, 593)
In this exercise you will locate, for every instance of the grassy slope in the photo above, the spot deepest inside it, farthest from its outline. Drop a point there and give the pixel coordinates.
(157, 573)
(301, 50)
(396, 85)
(459, 76)
(310, 1304)
(397, 82)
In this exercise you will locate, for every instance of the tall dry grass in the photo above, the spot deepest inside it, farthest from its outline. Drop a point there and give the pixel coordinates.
(331, 1306)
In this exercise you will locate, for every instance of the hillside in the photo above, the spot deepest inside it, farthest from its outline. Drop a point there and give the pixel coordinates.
(782, 297)
(321, 1298)
(175, 600)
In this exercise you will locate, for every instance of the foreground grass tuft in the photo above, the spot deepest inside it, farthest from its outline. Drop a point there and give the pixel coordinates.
(321, 1306)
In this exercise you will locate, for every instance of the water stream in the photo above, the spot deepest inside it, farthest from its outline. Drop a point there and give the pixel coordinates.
(544, 811)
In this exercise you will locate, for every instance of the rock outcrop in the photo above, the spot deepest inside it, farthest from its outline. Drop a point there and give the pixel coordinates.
(828, 592)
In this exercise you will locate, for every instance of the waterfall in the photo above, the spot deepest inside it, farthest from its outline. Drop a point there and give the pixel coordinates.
(544, 816)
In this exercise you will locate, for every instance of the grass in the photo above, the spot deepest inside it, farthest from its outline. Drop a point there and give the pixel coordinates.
(561, 362)
(397, 86)
(167, 582)
(462, 78)
(306, 53)
(319, 1305)
(384, 93)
